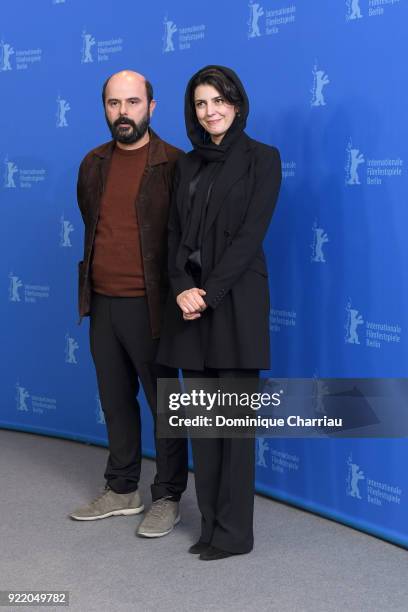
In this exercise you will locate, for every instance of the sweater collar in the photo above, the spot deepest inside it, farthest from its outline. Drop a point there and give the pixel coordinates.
(157, 151)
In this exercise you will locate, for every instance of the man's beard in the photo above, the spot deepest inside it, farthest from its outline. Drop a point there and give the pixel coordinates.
(128, 136)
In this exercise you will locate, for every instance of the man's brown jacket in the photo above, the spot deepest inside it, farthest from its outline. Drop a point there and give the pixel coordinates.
(152, 208)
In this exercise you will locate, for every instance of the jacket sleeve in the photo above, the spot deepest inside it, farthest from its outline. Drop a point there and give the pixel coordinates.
(179, 279)
(80, 189)
(239, 255)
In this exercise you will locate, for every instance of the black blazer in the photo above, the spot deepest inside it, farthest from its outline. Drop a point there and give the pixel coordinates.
(233, 332)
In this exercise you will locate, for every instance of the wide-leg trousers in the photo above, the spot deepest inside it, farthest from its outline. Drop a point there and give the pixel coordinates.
(224, 471)
(124, 356)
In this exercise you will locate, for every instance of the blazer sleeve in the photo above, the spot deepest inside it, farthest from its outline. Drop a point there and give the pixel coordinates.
(179, 279)
(80, 189)
(243, 249)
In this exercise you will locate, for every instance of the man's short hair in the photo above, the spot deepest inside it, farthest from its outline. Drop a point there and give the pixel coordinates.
(149, 90)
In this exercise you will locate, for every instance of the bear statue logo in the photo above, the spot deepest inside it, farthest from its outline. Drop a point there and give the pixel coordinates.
(353, 321)
(320, 80)
(354, 159)
(88, 41)
(100, 417)
(353, 10)
(255, 12)
(66, 229)
(319, 239)
(170, 29)
(10, 170)
(6, 51)
(21, 398)
(62, 108)
(262, 447)
(15, 285)
(354, 475)
(71, 345)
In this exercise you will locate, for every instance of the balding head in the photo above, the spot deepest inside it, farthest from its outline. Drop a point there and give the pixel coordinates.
(123, 80)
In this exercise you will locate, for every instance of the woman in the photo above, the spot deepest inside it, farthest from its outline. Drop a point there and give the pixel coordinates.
(217, 319)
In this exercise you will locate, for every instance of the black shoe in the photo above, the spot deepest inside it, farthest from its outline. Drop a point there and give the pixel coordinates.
(198, 548)
(212, 554)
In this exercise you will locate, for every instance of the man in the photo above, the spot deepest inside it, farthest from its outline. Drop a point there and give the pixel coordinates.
(124, 189)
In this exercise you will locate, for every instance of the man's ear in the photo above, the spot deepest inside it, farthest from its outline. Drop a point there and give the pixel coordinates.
(152, 106)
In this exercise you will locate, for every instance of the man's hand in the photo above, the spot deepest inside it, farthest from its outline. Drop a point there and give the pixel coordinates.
(191, 303)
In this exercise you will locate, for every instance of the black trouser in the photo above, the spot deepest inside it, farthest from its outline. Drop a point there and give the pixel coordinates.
(224, 471)
(124, 353)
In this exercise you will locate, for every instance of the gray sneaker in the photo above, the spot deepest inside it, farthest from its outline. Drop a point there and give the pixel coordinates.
(109, 503)
(161, 518)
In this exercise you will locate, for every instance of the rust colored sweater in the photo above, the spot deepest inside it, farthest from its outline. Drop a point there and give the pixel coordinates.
(117, 266)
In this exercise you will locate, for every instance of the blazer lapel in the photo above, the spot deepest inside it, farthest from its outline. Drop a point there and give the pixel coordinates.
(188, 174)
(235, 166)
(103, 163)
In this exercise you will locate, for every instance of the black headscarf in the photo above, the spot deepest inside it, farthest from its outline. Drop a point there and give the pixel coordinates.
(196, 133)
(213, 158)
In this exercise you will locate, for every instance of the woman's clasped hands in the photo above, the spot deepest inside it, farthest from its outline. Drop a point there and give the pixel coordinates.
(191, 303)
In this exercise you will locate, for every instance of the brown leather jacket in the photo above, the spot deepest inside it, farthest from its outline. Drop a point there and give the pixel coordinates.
(152, 206)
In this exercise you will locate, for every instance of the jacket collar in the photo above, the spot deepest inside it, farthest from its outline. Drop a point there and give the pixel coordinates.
(156, 155)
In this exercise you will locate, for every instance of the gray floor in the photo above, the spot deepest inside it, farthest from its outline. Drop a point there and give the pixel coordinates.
(301, 562)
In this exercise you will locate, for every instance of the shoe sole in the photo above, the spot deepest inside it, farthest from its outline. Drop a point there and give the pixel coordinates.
(161, 534)
(124, 512)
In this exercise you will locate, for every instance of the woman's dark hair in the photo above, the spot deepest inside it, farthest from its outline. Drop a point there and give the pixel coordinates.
(227, 88)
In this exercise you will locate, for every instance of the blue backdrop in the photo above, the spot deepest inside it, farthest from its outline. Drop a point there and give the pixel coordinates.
(327, 84)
